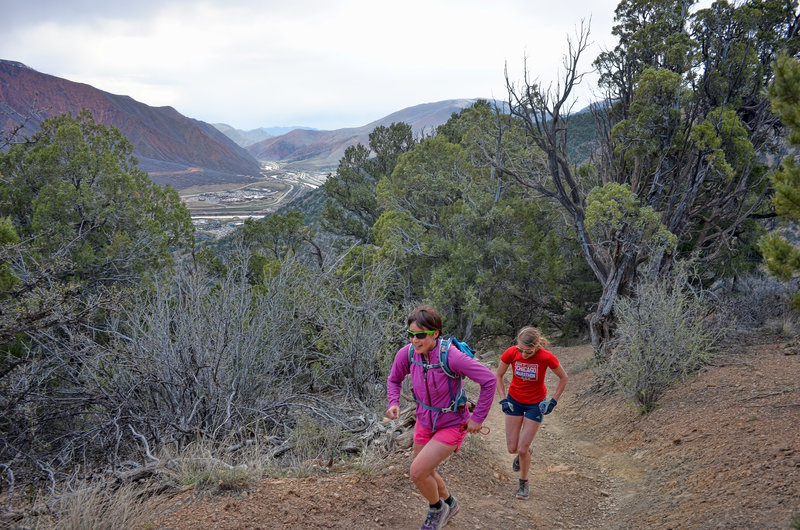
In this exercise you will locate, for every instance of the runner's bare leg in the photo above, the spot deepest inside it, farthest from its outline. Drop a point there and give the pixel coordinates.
(529, 430)
(423, 469)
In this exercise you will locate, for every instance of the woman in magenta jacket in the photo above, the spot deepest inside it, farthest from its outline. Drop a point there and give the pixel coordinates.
(442, 420)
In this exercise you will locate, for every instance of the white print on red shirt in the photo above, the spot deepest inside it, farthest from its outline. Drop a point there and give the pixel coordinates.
(529, 372)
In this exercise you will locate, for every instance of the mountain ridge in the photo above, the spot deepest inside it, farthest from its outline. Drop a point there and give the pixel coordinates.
(245, 138)
(180, 151)
(174, 149)
(313, 149)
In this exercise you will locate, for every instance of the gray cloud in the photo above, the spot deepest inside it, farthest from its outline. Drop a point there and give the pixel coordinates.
(324, 64)
(17, 14)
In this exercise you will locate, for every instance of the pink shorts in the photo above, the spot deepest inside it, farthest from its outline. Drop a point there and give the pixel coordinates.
(448, 436)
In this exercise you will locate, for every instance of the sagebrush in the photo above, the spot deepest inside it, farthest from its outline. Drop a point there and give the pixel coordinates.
(664, 334)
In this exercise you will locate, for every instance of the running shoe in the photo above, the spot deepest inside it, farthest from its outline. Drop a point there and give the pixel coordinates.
(524, 491)
(454, 508)
(436, 519)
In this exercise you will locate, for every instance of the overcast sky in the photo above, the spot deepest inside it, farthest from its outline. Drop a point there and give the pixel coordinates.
(322, 64)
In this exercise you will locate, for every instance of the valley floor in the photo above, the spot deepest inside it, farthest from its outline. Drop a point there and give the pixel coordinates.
(722, 451)
(216, 209)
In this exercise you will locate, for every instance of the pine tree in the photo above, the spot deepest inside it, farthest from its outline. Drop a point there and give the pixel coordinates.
(783, 258)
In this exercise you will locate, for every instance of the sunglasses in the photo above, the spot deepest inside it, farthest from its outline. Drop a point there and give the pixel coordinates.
(525, 350)
(419, 334)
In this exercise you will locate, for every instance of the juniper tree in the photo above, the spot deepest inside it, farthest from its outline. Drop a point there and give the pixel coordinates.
(685, 126)
(783, 258)
(81, 226)
(466, 240)
(352, 209)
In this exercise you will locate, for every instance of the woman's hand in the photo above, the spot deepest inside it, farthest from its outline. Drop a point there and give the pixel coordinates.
(393, 412)
(473, 426)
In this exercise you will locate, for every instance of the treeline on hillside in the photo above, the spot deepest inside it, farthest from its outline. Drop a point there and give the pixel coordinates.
(123, 342)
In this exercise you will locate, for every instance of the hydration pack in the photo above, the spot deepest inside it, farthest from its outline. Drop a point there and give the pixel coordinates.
(458, 398)
(444, 346)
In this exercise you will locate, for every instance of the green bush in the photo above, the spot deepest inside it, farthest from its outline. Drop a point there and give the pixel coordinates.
(575, 328)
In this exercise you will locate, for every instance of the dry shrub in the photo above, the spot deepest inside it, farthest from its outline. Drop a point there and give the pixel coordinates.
(663, 335)
(753, 302)
(369, 461)
(203, 357)
(316, 439)
(99, 507)
(221, 466)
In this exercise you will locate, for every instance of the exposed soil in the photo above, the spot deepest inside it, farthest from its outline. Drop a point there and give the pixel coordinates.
(722, 451)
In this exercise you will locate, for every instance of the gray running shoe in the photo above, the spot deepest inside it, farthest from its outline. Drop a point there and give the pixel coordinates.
(454, 508)
(436, 519)
(524, 491)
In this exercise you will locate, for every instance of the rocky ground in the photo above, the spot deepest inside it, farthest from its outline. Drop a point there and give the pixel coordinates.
(722, 451)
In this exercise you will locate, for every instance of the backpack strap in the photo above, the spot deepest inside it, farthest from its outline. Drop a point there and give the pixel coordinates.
(458, 398)
(444, 347)
(425, 366)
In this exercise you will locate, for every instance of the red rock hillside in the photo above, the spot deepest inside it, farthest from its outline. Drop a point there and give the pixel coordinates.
(174, 149)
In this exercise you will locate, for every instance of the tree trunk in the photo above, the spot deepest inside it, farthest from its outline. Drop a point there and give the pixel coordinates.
(599, 330)
(602, 320)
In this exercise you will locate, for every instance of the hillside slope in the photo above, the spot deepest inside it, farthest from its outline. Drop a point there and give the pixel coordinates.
(722, 451)
(311, 149)
(174, 149)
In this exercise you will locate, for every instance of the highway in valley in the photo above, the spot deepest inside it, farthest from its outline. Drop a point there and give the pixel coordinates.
(216, 209)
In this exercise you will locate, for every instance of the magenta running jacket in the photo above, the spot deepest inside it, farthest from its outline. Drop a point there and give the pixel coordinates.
(433, 387)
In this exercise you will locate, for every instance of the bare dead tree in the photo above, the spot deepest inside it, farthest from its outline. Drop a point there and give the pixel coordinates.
(543, 166)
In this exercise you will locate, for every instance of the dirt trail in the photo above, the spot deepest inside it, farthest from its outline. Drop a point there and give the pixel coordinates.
(577, 480)
(596, 465)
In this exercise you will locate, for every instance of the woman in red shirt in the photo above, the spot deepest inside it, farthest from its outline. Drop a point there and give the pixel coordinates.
(527, 401)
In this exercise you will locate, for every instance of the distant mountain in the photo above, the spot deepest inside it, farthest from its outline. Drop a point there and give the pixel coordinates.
(184, 152)
(243, 138)
(312, 149)
(247, 138)
(277, 131)
(172, 148)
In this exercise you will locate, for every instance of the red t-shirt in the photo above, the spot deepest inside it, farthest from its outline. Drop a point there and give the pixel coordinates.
(527, 375)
